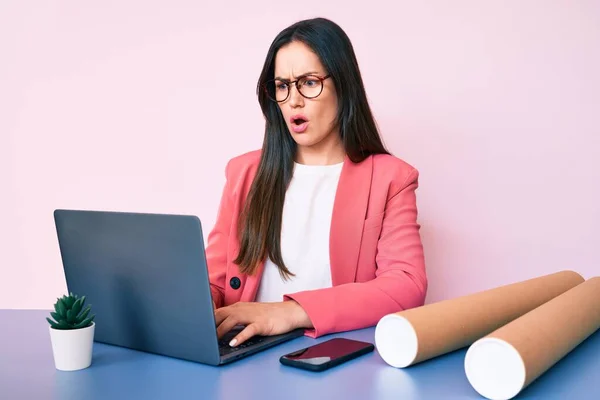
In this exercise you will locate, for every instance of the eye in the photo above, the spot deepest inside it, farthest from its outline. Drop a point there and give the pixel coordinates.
(281, 86)
(309, 82)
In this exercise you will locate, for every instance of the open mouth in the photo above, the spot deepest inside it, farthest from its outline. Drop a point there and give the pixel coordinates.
(299, 121)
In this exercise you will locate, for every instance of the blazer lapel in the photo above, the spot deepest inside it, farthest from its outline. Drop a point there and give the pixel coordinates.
(349, 212)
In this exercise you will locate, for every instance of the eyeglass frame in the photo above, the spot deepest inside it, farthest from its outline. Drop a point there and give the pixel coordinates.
(321, 80)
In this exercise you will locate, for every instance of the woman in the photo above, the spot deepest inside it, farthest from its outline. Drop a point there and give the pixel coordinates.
(318, 230)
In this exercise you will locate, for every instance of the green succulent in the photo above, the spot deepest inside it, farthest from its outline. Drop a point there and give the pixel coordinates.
(69, 313)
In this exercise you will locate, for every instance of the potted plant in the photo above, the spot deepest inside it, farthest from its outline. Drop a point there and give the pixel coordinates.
(71, 333)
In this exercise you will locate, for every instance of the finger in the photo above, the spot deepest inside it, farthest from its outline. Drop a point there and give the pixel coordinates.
(245, 334)
(226, 326)
(221, 314)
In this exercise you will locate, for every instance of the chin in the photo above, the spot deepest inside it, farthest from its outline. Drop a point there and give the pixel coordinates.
(305, 139)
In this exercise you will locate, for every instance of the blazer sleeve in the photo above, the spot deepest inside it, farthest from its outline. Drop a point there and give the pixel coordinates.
(217, 243)
(400, 282)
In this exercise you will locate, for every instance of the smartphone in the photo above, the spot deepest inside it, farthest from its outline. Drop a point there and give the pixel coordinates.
(327, 354)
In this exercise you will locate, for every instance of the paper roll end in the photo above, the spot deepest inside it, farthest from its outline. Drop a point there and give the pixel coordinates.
(495, 369)
(396, 341)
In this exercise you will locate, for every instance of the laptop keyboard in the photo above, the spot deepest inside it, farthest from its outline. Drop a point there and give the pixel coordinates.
(224, 347)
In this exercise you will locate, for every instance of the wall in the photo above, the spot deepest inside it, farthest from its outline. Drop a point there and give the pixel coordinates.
(137, 106)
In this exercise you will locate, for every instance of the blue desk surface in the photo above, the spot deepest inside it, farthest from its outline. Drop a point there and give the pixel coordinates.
(27, 372)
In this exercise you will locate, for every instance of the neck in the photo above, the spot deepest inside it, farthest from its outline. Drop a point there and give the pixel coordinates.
(326, 152)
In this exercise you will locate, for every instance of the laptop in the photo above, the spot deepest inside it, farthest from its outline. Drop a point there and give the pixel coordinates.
(146, 278)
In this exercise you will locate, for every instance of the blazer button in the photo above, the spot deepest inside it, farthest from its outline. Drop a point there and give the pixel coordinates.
(235, 282)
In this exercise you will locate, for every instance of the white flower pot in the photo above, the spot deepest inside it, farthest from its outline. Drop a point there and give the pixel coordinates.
(72, 349)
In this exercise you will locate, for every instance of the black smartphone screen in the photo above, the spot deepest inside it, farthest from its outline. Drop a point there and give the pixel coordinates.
(326, 354)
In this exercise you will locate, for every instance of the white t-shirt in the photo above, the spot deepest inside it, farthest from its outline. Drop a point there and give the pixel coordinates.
(306, 223)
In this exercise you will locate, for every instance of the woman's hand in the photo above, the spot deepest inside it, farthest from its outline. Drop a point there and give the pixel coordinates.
(263, 319)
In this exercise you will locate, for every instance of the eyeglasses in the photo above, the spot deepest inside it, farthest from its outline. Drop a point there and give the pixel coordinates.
(309, 86)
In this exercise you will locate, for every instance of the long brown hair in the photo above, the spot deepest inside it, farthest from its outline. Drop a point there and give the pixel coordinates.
(260, 222)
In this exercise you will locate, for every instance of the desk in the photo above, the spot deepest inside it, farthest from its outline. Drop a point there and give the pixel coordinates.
(27, 372)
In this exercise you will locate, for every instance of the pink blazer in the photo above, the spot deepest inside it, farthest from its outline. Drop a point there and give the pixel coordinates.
(376, 254)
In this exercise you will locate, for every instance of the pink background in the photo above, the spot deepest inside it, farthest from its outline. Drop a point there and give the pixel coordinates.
(138, 105)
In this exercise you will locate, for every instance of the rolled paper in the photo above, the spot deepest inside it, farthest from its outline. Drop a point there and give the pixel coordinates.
(414, 335)
(503, 363)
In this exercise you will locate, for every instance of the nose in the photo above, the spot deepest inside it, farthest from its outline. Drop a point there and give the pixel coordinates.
(296, 99)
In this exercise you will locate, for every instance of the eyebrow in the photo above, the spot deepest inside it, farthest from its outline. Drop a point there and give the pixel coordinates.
(298, 77)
